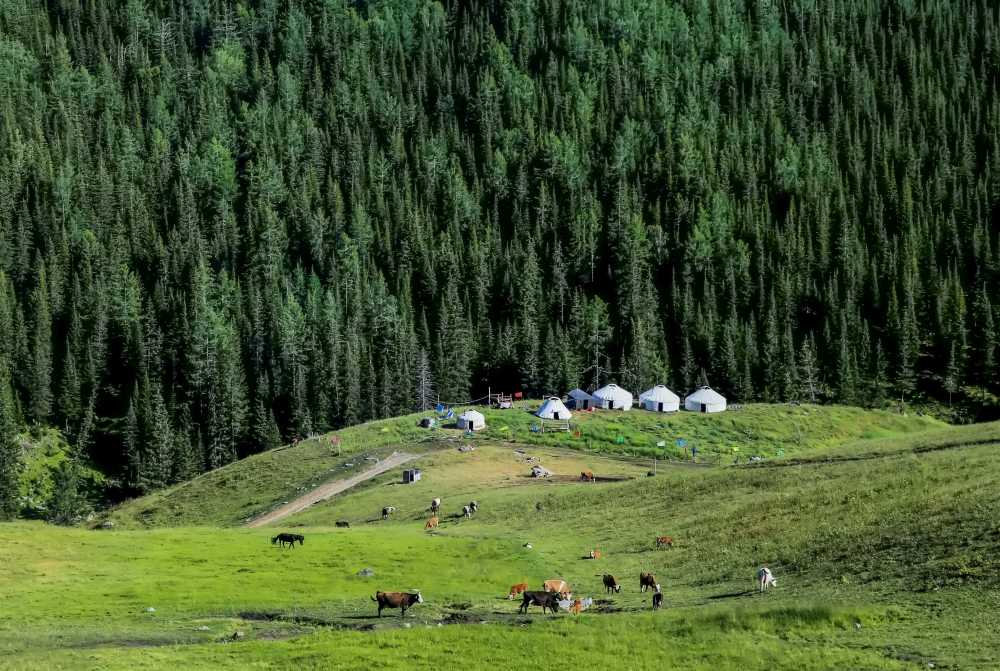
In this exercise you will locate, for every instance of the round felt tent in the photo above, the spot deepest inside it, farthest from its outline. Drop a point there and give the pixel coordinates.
(581, 400)
(470, 419)
(705, 400)
(613, 397)
(553, 408)
(659, 399)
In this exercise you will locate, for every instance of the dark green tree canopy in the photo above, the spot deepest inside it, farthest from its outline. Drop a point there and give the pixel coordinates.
(226, 223)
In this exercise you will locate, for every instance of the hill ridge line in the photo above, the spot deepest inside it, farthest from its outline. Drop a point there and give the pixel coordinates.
(331, 489)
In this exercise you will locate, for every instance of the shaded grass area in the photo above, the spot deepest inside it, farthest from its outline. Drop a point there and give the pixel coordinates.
(897, 534)
(256, 485)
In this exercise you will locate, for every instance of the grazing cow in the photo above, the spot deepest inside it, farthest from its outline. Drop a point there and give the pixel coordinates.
(401, 600)
(588, 476)
(467, 511)
(288, 538)
(386, 511)
(557, 587)
(657, 601)
(344, 524)
(543, 599)
(517, 589)
(474, 506)
(648, 580)
(594, 554)
(435, 506)
(610, 584)
(766, 579)
(664, 540)
(527, 545)
(432, 523)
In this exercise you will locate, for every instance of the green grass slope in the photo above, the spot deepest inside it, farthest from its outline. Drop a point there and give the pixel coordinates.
(251, 487)
(899, 534)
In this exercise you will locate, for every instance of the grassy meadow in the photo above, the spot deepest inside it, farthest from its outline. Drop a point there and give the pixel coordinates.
(890, 523)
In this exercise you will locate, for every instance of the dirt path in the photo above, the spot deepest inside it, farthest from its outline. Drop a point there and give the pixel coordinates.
(331, 489)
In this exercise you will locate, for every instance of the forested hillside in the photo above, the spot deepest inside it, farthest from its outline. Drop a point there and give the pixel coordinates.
(227, 223)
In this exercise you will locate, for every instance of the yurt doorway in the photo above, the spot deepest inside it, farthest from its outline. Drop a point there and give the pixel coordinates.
(659, 407)
(555, 415)
(704, 407)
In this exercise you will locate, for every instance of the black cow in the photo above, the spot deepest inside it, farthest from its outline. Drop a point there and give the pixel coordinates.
(344, 524)
(288, 538)
(657, 601)
(543, 599)
(401, 600)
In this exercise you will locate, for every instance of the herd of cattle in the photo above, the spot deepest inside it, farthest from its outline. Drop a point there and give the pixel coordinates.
(554, 594)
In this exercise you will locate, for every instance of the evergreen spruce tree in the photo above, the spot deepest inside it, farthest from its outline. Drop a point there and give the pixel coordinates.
(10, 451)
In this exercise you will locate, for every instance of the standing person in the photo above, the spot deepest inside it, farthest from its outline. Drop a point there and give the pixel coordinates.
(766, 579)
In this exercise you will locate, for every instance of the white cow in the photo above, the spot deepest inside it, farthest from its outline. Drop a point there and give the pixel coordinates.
(766, 579)
(466, 511)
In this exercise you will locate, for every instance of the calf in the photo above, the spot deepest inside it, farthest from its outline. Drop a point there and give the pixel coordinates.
(557, 587)
(610, 584)
(766, 579)
(474, 506)
(588, 476)
(594, 554)
(432, 523)
(467, 511)
(663, 540)
(386, 511)
(517, 589)
(647, 580)
(401, 600)
(543, 599)
(288, 538)
(657, 601)
(344, 524)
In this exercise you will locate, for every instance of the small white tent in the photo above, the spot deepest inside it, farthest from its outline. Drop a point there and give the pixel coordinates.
(659, 399)
(553, 408)
(470, 419)
(705, 400)
(613, 397)
(581, 400)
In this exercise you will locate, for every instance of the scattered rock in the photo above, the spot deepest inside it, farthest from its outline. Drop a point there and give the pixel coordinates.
(366, 572)
(238, 634)
(407, 625)
(203, 628)
(109, 525)
(150, 610)
(857, 625)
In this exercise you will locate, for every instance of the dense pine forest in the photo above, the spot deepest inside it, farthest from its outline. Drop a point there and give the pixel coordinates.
(225, 224)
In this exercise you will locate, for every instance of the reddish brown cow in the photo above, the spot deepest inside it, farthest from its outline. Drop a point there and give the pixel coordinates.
(557, 587)
(587, 475)
(594, 554)
(517, 589)
(647, 580)
(664, 540)
(610, 584)
(401, 600)
(432, 523)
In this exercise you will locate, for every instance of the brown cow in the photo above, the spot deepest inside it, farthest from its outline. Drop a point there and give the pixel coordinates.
(610, 584)
(543, 599)
(587, 475)
(517, 589)
(664, 540)
(557, 587)
(594, 554)
(432, 523)
(401, 600)
(648, 580)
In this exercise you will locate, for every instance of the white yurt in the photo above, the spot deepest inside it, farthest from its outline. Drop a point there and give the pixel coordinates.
(553, 408)
(705, 400)
(470, 419)
(659, 399)
(613, 397)
(581, 400)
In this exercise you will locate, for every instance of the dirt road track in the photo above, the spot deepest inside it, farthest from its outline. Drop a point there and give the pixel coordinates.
(331, 489)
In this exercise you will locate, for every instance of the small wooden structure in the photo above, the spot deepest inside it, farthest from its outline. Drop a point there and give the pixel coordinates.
(411, 475)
